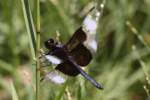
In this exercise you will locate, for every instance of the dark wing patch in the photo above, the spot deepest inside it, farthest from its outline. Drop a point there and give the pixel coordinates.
(68, 68)
(78, 37)
(81, 55)
(60, 53)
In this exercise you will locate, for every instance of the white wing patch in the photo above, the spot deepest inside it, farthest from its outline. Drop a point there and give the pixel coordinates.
(52, 59)
(90, 24)
(55, 77)
(93, 45)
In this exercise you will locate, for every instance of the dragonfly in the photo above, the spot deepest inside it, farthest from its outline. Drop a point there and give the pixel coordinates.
(71, 57)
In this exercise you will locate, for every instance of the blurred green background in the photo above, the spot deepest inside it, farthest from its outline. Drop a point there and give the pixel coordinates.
(122, 63)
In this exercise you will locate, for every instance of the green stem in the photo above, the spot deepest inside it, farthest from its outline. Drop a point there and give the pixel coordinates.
(30, 29)
(37, 49)
(29, 26)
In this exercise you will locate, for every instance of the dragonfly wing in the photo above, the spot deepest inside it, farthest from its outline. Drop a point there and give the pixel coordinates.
(53, 59)
(55, 77)
(81, 55)
(68, 68)
(78, 37)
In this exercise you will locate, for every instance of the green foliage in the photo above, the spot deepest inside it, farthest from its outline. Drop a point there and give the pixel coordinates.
(121, 63)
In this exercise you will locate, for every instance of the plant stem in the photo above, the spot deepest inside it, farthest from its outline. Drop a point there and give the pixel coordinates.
(29, 26)
(31, 32)
(37, 49)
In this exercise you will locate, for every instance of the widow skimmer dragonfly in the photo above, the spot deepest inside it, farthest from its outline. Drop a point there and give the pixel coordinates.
(69, 58)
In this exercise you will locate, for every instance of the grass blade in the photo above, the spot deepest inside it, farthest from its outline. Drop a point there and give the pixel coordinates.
(37, 9)
(29, 25)
(13, 91)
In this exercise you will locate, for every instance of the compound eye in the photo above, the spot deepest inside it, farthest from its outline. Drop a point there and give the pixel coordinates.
(49, 43)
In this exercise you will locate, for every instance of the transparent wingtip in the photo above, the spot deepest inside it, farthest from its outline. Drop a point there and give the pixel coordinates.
(91, 24)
